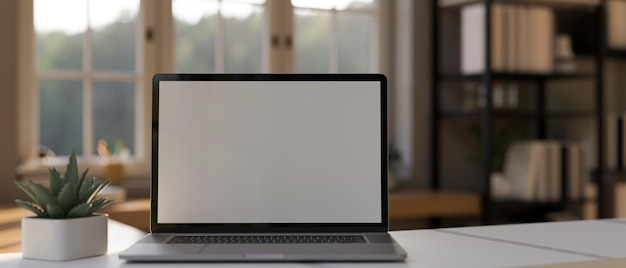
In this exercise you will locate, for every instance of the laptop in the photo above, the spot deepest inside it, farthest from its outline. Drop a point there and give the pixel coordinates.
(268, 167)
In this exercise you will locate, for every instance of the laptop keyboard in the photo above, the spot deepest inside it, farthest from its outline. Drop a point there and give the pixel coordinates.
(269, 239)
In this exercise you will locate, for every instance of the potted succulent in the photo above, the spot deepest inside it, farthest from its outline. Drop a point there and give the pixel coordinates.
(65, 226)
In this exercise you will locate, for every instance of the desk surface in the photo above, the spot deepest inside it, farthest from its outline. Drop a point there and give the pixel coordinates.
(487, 246)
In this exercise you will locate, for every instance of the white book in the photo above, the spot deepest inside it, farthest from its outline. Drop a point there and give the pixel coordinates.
(550, 179)
(523, 169)
(472, 39)
(473, 33)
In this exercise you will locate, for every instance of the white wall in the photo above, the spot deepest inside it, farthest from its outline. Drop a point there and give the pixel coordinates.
(410, 82)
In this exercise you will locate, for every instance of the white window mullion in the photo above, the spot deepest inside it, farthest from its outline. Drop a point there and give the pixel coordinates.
(35, 125)
(375, 44)
(88, 88)
(266, 35)
(80, 75)
(109, 76)
(140, 36)
(220, 42)
(334, 42)
(87, 117)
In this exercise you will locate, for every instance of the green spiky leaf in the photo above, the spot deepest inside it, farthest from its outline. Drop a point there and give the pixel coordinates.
(71, 174)
(32, 207)
(68, 197)
(55, 211)
(55, 182)
(99, 203)
(97, 185)
(41, 192)
(86, 185)
(81, 181)
(88, 189)
(30, 193)
(82, 210)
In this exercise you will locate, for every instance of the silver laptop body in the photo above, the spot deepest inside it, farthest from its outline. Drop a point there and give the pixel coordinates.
(268, 167)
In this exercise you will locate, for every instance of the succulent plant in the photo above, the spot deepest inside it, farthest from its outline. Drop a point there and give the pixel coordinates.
(69, 196)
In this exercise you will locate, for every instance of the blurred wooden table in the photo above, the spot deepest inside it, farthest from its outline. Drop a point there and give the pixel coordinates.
(415, 204)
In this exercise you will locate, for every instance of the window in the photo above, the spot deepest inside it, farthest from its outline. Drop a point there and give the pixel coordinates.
(219, 35)
(89, 70)
(87, 73)
(335, 36)
(229, 35)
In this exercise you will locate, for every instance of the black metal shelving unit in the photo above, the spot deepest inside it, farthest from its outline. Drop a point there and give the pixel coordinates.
(539, 114)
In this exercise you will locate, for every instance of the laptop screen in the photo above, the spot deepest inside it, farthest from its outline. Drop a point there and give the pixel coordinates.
(269, 152)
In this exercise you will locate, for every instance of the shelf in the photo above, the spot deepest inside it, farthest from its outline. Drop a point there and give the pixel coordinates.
(614, 175)
(478, 114)
(516, 76)
(552, 3)
(527, 211)
(616, 53)
(537, 114)
(518, 115)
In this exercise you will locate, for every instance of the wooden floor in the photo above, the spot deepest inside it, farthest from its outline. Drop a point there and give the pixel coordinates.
(403, 205)
(10, 233)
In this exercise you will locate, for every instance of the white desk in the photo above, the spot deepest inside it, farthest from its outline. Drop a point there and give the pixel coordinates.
(597, 238)
(488, 246)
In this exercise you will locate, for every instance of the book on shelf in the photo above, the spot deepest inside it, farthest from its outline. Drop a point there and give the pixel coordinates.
(543, 171)
(542, 37)
(522, 38)
(520, 170)
(616, 20)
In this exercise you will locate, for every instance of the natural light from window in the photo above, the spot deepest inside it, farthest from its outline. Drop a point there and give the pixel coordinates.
(70, 16)
(214, 36)
(337, 36)
(88, 62)
(87, 73)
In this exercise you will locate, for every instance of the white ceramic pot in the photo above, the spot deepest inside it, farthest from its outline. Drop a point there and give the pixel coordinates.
(64, 239)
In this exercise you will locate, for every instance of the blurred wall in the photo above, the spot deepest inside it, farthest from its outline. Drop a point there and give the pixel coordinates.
(8, 99)
(410, 27)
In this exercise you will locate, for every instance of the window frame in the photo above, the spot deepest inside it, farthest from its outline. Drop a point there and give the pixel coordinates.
(155, 51)
(220, 44)
(335, 46)
(88, 75)
(28, 96)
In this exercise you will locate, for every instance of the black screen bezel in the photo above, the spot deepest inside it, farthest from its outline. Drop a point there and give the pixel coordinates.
(156, 227)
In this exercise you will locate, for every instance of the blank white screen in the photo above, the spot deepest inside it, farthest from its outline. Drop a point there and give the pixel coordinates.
(269, 152)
